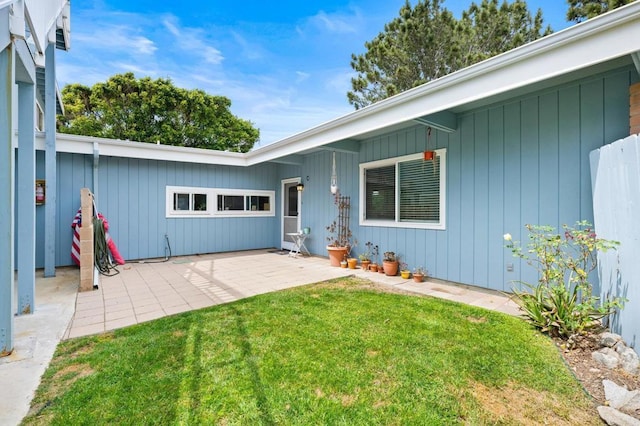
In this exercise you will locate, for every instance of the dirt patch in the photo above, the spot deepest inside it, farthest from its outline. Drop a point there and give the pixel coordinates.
(477, 320)
(354, 283)
(62, 380)
(513, 404)
(589, 372)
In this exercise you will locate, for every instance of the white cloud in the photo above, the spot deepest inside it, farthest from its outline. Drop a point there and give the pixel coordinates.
(134, 68)
(251, 51)
(194, 41)
(340, 81)
(336, 22)
(114, 38)
(302, 76)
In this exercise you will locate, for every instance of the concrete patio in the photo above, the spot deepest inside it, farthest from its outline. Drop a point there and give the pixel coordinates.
(151, 289)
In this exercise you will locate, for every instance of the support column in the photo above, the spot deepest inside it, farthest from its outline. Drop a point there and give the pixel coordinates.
(6, 202)
(26, 221)
(50, 163)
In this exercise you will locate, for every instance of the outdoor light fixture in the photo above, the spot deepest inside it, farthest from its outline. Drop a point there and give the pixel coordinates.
(334, 176)
(300, 187)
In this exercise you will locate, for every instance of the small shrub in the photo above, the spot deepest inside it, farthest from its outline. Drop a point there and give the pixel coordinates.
(562, 303)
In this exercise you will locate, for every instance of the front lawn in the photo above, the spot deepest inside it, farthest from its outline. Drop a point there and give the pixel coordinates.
(342, 352)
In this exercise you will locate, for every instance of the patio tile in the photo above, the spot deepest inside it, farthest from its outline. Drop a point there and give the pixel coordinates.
(110, 316)
(88, 320)
(150, 316)
(120, 323)
(89, 312)
(147, 308)
(177, 309)
(89, 306)
(170, 302)
(119, 307)
(86, 330)
(137, 303)
(117, 301)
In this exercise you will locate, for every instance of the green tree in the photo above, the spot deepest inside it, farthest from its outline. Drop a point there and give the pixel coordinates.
(426, 42)
(149, 110)
(581, 10)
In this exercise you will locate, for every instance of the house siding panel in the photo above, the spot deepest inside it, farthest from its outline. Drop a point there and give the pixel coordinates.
(517, 162)
(131, 195)
(496, 200)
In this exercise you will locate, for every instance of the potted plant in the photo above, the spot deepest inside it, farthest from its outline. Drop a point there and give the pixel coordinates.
(365, 257)
(339, 238)
(419, 274)
(352, 262)
(373, 267)
(343, 262)
(390, 263)
(405, 273)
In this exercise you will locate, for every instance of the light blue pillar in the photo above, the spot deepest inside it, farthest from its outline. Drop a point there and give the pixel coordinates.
(26, 220)
(50, 164)
(6, 203)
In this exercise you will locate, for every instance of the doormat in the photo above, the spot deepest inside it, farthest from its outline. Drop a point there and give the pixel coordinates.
(278, 251)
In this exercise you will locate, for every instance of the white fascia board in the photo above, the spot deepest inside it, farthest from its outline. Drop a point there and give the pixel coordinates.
(595, 41)
(128, 149)
(42, 16)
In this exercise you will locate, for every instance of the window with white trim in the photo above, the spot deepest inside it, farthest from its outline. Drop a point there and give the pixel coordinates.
(404, 192)
(218, 202)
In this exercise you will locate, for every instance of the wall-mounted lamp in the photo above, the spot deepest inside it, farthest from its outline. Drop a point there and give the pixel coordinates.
(300, 187)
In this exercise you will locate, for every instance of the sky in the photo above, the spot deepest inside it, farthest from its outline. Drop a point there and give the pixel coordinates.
(284, 65)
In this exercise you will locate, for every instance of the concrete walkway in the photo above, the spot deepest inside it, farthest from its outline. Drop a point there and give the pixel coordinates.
(148, 290)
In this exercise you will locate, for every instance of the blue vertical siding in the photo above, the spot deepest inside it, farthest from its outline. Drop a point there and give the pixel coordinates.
(520, 161)
(131, 195)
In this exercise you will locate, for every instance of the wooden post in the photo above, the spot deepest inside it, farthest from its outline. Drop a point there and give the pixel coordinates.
(86, 241)
(634, 109)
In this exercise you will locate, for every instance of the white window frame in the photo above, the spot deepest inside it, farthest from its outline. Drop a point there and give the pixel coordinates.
(244, 193)
(212, 202)
(396, 223)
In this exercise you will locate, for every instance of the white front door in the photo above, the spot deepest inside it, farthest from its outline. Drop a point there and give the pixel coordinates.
(291, 211)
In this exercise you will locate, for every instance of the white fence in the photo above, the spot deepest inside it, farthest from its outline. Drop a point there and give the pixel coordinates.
(615, 179)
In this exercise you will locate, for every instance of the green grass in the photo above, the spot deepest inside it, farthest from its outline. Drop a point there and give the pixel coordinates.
(340, 353)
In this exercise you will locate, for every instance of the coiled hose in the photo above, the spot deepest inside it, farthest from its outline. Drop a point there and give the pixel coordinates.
(101, 249)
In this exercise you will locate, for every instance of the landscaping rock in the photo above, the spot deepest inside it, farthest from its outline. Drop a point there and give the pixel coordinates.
(614, 417)
(620, 398)
(609, 339)
(630, 361)
(607, 357)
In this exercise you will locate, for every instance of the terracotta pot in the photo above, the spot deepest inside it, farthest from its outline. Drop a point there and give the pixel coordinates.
(405, 274)
(390, 268)
(353, 262)
(336, 254)
(429, 155)
(418, 278)
(343, 264)
(381, 269)
(366, 264)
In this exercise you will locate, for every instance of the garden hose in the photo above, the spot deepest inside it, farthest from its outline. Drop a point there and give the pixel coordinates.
(101, 250)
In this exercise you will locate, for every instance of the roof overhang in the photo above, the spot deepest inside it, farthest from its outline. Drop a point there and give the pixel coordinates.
(128, 149)
(603, 42)
(606, 42)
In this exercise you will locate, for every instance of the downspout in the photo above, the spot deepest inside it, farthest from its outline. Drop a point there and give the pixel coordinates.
(96, 161)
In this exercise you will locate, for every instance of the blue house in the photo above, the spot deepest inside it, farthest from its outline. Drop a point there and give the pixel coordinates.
(512, 137)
